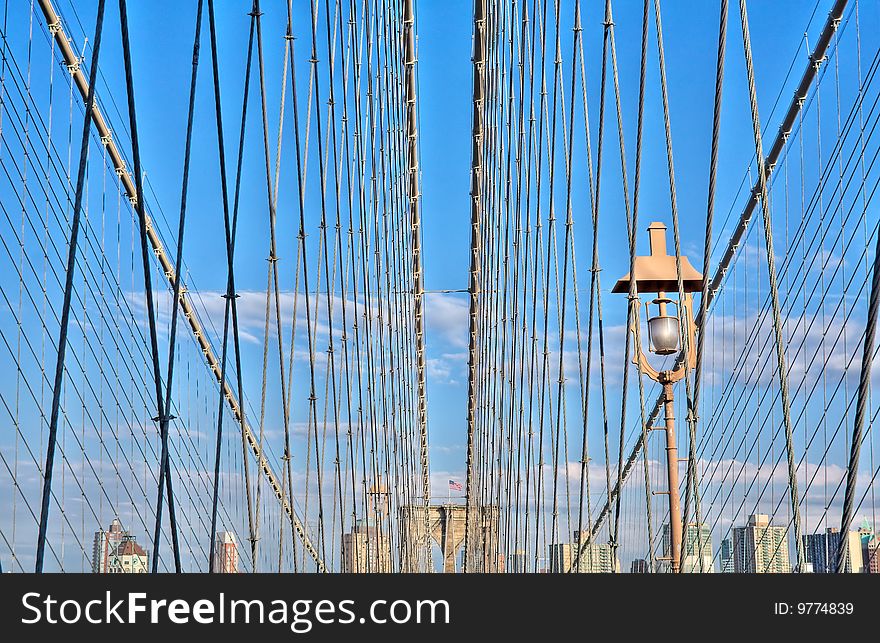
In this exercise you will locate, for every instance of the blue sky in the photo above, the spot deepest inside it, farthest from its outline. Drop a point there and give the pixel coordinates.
(162, 40)
(444, 44)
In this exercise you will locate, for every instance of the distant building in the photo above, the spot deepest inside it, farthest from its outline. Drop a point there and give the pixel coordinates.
(872, 556)
(115, 551)
(105, 544)
(638, 566)
(696, 543)
(516, 562)
(870, 549)
(726, 556)
(226, 553)
(594, 558)
(498, 567)
(366, 550)
(821, 551)
(760, 548)
(128, 558)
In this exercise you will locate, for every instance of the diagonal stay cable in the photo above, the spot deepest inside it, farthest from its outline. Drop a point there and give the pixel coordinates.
(858, 425)
(788, 121)
(191, 307)
(175, 306)
(162, 417)
(230, 296)
(139, 207)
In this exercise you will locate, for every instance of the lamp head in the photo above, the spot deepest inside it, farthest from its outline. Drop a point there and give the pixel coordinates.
(664, 334)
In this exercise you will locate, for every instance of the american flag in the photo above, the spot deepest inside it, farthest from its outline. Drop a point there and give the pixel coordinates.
(454, 486)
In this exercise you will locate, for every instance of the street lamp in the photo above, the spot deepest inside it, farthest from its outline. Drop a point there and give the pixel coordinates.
(658, 273)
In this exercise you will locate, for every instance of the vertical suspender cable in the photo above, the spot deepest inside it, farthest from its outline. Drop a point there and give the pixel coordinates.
(707, 256)
(686, 347)
(735, 241)
(412, 125)
(782, 369)
(474, 286)
(594, 289)
(169, 270)
(852, 468)
(633, 299)
(273, 257)
(864, 392)
(68, 291)
(632, 223)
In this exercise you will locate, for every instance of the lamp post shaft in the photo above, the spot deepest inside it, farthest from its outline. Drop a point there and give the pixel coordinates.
(672, 472)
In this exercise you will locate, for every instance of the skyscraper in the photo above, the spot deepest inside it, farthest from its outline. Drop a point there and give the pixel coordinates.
(638, 566)
(872, 556)
(870, 549)
(226, 553)
(597, 558)
(760, 548)
(516, 562)
(726, 556)
(697, 543)
(105, 544)
(115, 551)
(821, 551)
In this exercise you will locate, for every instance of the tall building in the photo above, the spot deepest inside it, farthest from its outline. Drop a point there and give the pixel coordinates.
(115, 551)
(638, 566)
(366, 550)
(871, 555)
(226, 553)
(595, 558)
(760, 548)
(726, 556)
(870, 549)
(105, 544)
(820, 550)
(516, 562)
(696, 543)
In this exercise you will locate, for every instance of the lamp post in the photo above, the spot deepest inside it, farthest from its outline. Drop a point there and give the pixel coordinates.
(658, 273)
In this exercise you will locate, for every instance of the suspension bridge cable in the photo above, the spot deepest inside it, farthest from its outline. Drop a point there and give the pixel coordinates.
(176, 298)
(692, 481)
(795, 106)
(168, 268)
(858, 425)
(782, 369)
(68, 288)
(162, 417)
(479, 46)
(707, 255)
(230, 228)
(632, 314)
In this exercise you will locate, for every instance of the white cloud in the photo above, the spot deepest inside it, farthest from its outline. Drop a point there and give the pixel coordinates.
(446, 315)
